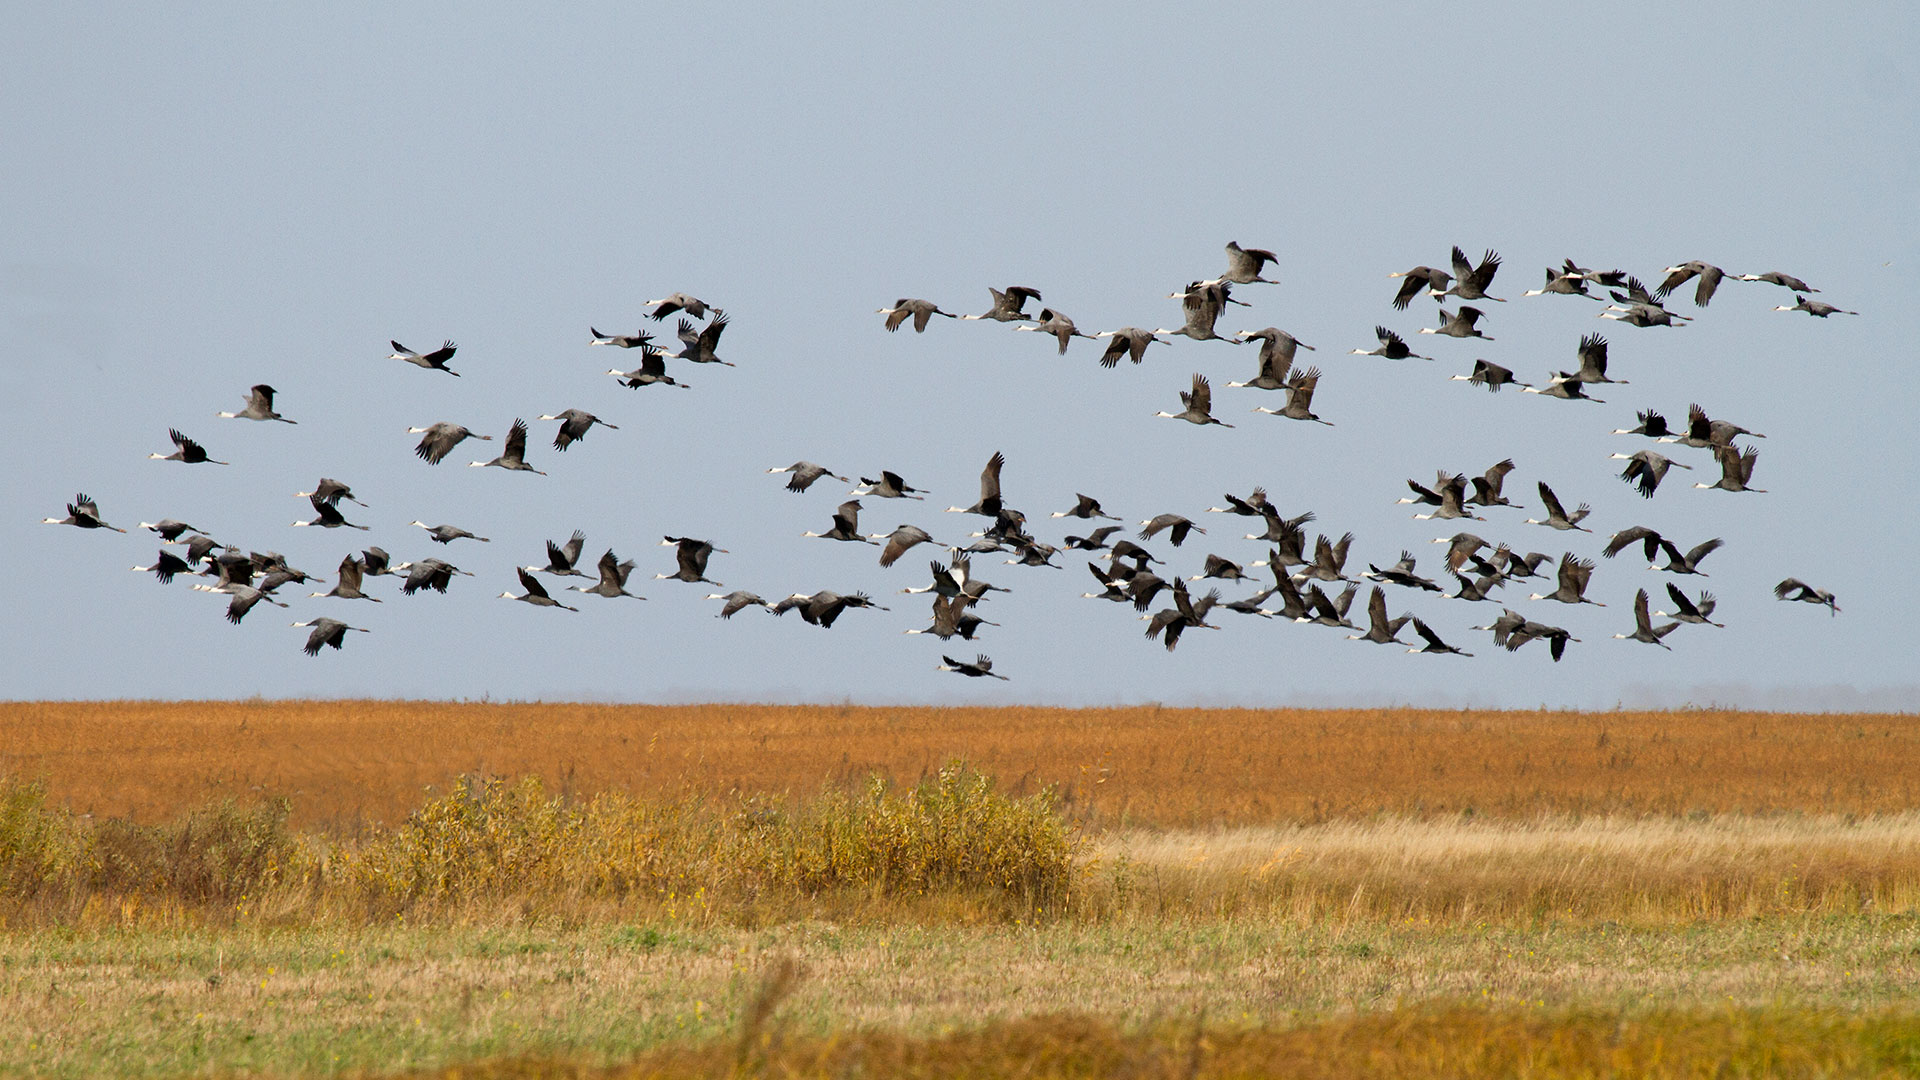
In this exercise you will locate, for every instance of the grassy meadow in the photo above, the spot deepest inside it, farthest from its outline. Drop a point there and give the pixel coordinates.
(362, 888)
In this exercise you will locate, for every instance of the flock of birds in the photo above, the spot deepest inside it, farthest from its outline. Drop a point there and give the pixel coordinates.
(1296, 579)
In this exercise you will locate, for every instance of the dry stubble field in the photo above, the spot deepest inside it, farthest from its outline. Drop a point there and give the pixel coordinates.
(346, 762)
(1342, 893)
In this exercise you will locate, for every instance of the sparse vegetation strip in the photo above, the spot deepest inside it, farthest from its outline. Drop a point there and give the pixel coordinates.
(1829, 996)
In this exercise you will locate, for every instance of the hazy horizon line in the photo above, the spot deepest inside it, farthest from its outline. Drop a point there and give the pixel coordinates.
(1901, 699)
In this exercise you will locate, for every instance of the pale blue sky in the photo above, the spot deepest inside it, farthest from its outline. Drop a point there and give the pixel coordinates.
(199, 201)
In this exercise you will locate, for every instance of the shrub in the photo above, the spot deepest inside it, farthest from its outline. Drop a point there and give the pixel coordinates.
(494, 840)
(39, 848)
(214, 856)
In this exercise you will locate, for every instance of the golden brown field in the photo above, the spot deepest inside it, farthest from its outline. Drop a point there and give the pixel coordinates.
(319, 888)
(271, 888)
(345, 763)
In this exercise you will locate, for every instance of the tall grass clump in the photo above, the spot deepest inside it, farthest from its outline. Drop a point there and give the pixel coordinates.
(953, 834)
(54, 862)
(41, 849)
(953, 831)
(215, 855)
(950, 847)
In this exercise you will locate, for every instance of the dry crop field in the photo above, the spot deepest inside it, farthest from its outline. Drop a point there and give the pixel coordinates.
(346, 762)
(374, 888)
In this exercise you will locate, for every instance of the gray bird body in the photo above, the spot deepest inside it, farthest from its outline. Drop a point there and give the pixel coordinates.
(170, 530)
(1433, 642)
(846, 524)
(1198, 404)
(562, 558)
(822, 608)
(1201, 304)
(804, 473)
(1277, 350)
(1563, 386)
(1568, 281)
(1325, 612)
(1128, 341)
(1470, 282)
(1381, 630)
(981, 665)
(638, 339)
(1643, 628)
(889, 486)
(1787, 281)
(185, 450)
(82, 513)
(1392, 347)
(1815, 308)
(259, 407)
(1795, 589)
(1736, 469)
(990, 503)
(1427, 279)
(920, 311)
(447, 534)
(736, 602)
(535, 594)
(432, 361)
(1008, 305)
(1645, 469)
(1487, 486)
(438, 440)
(329, 516)
(1691, 611)
(1401, 573)
(573, 426)
(698, 346)
(613, 578)
(327, 632)
(165, 566)
(1300, 391)
(1490, 375)
(1557, 516)
(434, 574)
(1573, 576)
(1086, 508)
(1060, 326)
(899, 541)
(1178, 523)
(1460, 324)
(513, 456)
(1677, 276)
(1329, 560)
(691, 559)
(679, 301)
(652, 370)
(331, 491)
(1244, 265)
(347, 582)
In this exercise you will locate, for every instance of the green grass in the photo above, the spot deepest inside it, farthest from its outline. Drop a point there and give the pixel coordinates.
(318, 1002)
(1448, 1043)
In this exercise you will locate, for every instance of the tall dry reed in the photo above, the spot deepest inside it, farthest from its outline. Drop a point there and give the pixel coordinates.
(1466, 870)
